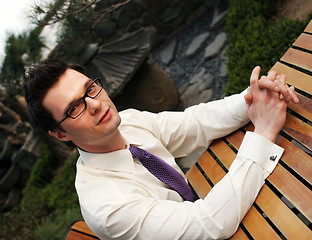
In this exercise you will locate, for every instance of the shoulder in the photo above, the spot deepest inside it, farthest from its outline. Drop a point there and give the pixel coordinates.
(144, 120)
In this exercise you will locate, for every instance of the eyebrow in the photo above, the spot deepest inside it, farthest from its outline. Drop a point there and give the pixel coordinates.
(85, 85)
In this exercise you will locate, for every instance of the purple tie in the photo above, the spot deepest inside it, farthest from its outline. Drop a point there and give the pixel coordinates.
(164, 172)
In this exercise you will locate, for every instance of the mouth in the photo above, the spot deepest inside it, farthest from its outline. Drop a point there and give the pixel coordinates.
(105, 117)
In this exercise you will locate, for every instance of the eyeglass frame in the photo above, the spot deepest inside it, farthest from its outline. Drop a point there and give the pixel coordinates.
(83, 98)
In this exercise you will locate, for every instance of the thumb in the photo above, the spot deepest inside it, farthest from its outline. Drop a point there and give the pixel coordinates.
(248, 97)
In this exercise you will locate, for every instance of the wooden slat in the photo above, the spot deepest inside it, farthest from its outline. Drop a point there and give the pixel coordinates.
(299, 130)
(297, 193)
(287, 222)
(198, 182)
(201, 186)
(296, 159)
(309, 27)
(83, 227)
(211, 167)
(296, 78)
(239, 235)
(298, 58)
(304, 108)
(293, 157)
(304, 41)
(224, 152)
(288, 185)
(78, 236)
(257, 226)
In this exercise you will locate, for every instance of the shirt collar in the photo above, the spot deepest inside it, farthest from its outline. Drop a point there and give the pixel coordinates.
(120, 161)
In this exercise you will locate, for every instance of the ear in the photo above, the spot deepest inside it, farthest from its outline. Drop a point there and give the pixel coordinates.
(60, 135)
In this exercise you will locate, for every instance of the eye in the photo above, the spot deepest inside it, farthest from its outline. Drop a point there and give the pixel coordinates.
(91, 89)
(76, 109)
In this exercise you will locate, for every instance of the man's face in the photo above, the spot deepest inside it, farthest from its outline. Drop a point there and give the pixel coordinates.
(96, 125)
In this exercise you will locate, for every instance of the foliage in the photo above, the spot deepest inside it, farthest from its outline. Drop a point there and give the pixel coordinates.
(49, 202)
(20, 51)
(53, 227)
(254, 39)
(57, 194)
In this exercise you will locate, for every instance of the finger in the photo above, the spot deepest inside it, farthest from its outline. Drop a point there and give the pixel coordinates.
(254, 82)
(293, 95)
(264, 82)
(285, 94)
(248, 98)
(272, 75)
(282, 78)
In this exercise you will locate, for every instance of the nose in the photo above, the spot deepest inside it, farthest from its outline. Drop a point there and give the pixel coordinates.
(93, 105)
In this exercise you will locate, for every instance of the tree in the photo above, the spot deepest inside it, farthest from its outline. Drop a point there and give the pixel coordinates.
(20, 51)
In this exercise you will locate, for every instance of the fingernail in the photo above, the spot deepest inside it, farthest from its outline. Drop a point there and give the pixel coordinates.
(277, 89)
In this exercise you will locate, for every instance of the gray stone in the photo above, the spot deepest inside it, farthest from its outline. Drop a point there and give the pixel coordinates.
(223, 69)
(216, 46)
(207, 81)
(218, 20)
(198, 76)
(197, 44)
(204, 82)
(185, 163)
(167, 53)
(203, 97)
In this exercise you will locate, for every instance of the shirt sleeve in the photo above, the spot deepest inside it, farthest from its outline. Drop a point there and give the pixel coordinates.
(217, 216)
(184, 132)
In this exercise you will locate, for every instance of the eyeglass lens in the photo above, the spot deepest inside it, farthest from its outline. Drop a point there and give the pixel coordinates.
(92, 91)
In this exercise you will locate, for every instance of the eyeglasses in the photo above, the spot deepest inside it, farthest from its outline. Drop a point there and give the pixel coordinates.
(77, 108)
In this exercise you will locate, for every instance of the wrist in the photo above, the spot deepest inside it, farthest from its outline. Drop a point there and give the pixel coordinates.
(270, 135)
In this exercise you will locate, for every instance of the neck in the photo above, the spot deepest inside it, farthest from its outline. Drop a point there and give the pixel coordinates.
(113, 143)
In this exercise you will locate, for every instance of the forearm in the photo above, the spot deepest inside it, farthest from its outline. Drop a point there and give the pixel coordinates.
(183, 132)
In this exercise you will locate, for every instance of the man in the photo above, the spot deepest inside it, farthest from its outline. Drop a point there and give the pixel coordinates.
(119, 197)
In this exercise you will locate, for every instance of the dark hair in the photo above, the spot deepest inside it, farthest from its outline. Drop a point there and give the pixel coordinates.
(39, 79)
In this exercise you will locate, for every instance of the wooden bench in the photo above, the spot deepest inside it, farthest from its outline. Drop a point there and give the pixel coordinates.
(283, 208)
(80, 231)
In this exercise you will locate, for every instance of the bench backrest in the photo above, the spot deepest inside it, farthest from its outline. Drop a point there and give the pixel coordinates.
(283, 208)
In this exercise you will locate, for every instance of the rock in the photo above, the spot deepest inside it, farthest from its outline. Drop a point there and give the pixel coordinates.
(218, 20)
(205, 81)
(216, 46)
(197, 44)
(198, 76)
(204, 96)
(151, 89)
(223, 69)
(168, 51)
(185, 163)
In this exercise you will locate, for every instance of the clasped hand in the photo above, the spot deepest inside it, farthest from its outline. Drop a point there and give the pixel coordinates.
(267, 100)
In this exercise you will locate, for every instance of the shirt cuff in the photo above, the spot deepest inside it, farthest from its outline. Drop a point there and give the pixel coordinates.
(237, 106)
(260, 150)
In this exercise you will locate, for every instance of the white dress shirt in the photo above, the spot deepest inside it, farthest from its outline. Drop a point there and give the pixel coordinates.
(121, 199)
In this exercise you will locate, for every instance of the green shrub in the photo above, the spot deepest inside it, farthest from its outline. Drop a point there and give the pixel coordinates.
(54, 227)
(254, 39)
(49, 202)
(50, 191)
